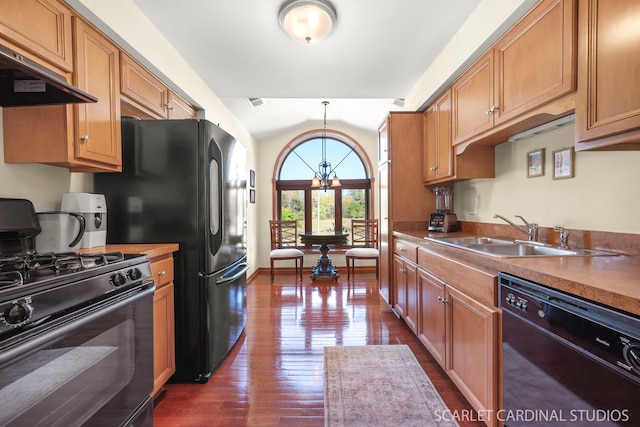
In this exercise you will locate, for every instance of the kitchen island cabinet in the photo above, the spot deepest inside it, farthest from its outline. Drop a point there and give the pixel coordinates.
(608, 98)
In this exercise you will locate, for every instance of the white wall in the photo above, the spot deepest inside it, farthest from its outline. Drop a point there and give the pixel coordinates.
(601, 196)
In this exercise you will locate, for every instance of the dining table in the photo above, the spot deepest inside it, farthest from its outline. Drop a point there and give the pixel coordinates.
(324, 267)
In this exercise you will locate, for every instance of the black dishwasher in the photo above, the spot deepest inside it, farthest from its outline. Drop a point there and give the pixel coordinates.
(566, 361)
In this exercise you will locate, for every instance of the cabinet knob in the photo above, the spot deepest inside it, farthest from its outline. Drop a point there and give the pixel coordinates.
(169, 106)
(433, 168)
(491, 110)
(85, 138)
(162, 273)
(442, 300)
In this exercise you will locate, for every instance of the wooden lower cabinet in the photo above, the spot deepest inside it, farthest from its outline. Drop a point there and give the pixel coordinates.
(164, 361)
(472, 350)
(458, 323)
(431, 329)
(400, 286)
(405, 279)
(405, 282)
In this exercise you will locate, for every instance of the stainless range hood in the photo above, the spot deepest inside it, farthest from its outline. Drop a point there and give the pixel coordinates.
(24, 82)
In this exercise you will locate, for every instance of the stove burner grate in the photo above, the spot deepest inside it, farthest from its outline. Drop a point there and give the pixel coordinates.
(15, 268)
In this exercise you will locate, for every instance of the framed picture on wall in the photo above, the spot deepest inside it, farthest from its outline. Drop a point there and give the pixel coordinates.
(563, 163)
(535, 163)
(252, 178)
(252, 196)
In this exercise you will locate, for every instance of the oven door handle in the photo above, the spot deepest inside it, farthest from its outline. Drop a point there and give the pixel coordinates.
(68, 326)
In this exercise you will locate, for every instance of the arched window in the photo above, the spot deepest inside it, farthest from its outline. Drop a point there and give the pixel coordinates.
(315, 209)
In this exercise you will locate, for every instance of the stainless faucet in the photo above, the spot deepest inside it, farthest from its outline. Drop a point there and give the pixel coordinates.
(531, 231)
(564, 236)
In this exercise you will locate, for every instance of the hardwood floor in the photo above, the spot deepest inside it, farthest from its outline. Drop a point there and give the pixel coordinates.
(274, 375)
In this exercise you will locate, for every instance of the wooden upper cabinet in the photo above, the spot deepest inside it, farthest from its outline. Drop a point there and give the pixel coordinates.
(40, 27)
(472, 96)
(532, 65)
(81, 137)
(608, 99)
(97, 71)
(139, 86)
(438, 152)
(535, 61)
(143, 94)
(178, 108)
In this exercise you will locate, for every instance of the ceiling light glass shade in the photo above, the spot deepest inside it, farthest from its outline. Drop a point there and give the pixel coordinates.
(307, 21)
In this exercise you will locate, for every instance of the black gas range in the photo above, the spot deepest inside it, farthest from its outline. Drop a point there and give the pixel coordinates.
(76, 332)
(35, 288)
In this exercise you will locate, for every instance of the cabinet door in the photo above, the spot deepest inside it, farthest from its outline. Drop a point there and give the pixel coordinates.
(608, 99)
(411, 283)
(178, 108)
(535, 60)
(472, 96)
(472, 349)
(438, 151)
(97, 71)
(140, 87)
(164, 364)
(384, 279)
(399, 286)
(43, 27)
(431, 320)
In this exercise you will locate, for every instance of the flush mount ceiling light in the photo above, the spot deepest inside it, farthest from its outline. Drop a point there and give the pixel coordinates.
(307, 21)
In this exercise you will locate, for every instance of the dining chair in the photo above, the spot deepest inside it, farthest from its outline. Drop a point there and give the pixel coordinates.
(284, 237)
(364, 238)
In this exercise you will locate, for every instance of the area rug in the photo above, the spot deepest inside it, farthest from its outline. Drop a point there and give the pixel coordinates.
(379, 385)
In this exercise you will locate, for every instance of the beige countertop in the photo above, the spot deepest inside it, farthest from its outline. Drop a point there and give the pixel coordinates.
(610, 280)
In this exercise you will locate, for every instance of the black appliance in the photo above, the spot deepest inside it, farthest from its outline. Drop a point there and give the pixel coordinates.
(76, 332)
(25, 82)
(566, 361)
(184, 181)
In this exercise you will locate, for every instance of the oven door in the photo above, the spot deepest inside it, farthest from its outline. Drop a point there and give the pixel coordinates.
(92, 367)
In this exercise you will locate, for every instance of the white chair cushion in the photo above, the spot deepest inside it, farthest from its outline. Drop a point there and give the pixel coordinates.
(285, 253)
(362, 253)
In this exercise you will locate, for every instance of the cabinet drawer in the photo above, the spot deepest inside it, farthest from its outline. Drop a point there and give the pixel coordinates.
(406, 250)
(477, 283)
(162, 269)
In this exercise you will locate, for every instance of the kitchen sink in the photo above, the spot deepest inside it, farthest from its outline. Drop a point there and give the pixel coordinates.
(472, 240)
(501, 247)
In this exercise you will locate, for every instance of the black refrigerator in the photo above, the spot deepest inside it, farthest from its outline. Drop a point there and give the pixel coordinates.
(184, 181)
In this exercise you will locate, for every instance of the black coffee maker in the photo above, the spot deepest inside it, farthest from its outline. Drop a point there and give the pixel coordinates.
(443, 220)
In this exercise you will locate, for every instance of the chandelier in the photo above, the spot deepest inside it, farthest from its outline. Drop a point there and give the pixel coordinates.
(307, 21)
(325, 177)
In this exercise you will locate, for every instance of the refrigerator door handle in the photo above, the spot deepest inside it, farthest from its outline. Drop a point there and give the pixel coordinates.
(244, 267)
